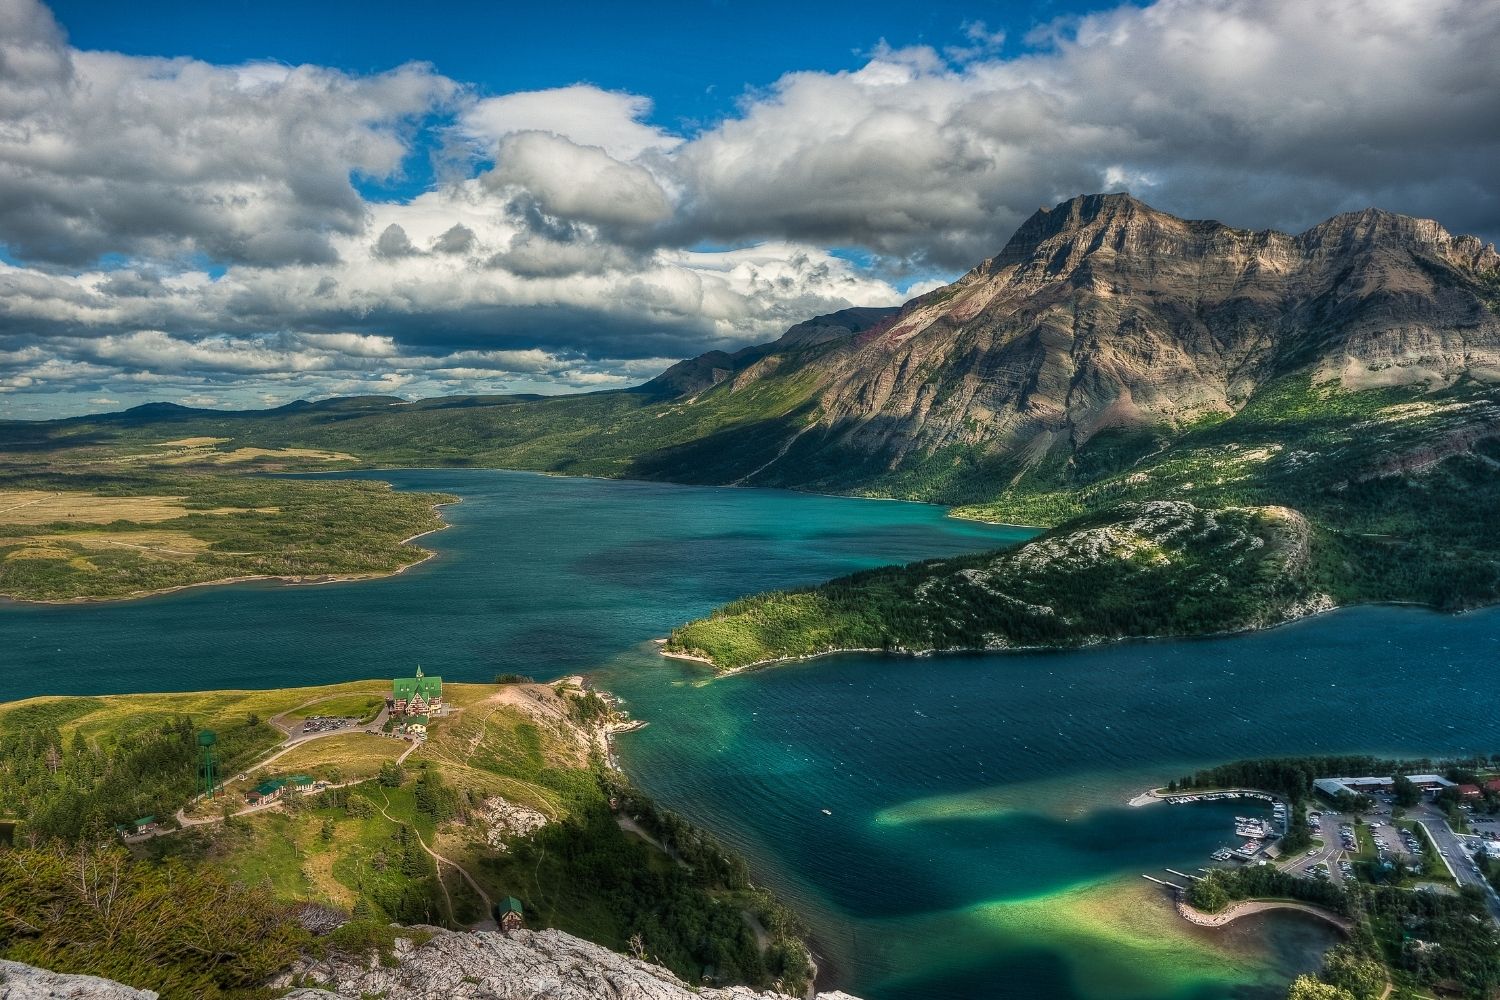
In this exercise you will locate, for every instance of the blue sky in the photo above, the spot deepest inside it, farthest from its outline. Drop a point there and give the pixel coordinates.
(240, 204)
(695, 60)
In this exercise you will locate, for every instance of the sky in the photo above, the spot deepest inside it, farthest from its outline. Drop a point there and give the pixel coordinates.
(241, 204)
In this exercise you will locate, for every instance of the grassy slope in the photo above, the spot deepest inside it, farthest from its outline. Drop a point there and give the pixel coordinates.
(528, 744)
(222, 527)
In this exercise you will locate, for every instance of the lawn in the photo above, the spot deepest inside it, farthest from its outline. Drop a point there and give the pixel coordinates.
(358, 706)
(345, 756)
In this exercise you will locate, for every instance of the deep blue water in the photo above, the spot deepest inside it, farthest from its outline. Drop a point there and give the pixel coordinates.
(976, 842)
(538, 575)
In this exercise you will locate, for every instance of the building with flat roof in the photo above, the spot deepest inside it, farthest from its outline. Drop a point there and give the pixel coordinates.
(1333, 787)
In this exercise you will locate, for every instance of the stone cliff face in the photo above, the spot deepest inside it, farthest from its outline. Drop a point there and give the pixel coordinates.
(1104, 313)
(525, 965)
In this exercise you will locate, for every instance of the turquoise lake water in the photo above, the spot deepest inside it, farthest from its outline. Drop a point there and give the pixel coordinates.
(976, 842)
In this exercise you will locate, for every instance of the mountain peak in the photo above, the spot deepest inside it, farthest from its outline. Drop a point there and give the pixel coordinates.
(1077, 214)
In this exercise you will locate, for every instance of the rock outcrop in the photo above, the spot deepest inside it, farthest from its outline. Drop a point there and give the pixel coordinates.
(487, 965)
(435, 964)
(25, 982)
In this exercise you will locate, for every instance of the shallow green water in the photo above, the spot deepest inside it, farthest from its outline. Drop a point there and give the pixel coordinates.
(977, 844)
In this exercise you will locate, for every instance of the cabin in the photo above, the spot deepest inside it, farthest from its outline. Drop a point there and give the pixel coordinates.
(138, 828)
(417, 725)
(267, 791)
(419, 695)
(509, 914)
(272, 788)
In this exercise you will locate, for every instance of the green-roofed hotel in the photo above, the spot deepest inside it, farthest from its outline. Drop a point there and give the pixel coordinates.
(419, 695)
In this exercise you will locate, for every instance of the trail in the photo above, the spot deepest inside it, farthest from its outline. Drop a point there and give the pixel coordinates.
(30, 503)
(440, 859)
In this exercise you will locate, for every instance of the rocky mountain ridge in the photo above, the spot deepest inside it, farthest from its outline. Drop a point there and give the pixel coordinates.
(1103, 314)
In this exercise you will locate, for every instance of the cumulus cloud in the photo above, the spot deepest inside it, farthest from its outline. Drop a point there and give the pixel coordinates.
(172, 226)
(1266, 113)
(582, 183)
(583, 114)
(102, 153)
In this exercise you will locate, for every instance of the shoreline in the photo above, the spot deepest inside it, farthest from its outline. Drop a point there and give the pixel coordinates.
(1251, 907)
(306, 580)
(1089, 643)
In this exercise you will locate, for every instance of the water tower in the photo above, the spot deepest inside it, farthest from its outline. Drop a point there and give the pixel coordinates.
(208, 762)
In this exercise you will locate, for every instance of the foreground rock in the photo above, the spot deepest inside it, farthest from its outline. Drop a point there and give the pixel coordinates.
(524, 965)
(23, 982)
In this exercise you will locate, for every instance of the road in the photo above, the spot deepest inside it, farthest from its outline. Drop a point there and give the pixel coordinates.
(292, 742)
(1460, 863)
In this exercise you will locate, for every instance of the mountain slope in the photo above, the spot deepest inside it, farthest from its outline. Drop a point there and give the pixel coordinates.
(1107, 326)
(1110, 354)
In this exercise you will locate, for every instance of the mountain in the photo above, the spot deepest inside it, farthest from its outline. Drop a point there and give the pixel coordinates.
(1106, 322)
(1110, 354)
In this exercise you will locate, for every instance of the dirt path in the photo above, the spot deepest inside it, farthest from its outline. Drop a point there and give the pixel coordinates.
(29, 503)
(441, 860)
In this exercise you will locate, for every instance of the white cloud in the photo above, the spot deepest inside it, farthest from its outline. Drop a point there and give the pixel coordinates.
(564, 256)
(106, 153)
(583, 114)
(576, 182)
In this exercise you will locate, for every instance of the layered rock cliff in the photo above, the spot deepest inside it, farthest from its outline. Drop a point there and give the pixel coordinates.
(1105, 313)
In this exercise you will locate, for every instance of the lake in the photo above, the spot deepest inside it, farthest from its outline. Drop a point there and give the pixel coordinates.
(975, 842)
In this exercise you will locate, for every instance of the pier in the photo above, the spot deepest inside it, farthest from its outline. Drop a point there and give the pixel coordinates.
(1170, 885)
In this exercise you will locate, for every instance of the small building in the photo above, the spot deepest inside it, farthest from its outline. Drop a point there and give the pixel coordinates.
(419, 695)
(1470, 791)
(416, 725)
(138, 828)
(1493, 785)
(509, 914)
(267, 790)
(301, 782)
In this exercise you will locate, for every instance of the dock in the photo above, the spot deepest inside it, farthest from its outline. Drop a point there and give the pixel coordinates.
(1174, 871)
(1169, 885)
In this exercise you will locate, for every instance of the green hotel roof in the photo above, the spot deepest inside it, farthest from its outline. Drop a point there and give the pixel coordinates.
(405, 688)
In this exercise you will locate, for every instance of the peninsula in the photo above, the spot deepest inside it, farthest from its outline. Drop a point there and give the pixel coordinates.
(311, 818)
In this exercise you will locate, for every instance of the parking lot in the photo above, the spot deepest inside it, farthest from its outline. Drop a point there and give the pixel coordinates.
(327, 723)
